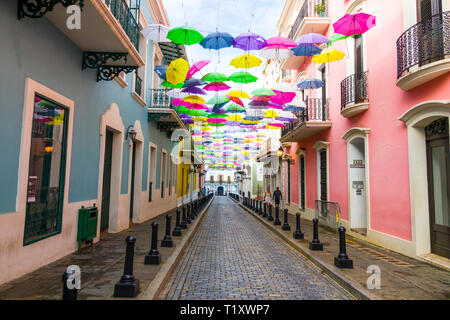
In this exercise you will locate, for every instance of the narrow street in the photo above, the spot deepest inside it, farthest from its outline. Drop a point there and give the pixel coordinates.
(233, 257)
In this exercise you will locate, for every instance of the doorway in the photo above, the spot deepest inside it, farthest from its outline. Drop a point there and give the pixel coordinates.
(133, 174)
(438, 166)
(357, 185)
(106, 193)
(220, 191)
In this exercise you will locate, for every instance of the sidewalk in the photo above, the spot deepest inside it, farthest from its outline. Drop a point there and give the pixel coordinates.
(102, 265)
(401, 277)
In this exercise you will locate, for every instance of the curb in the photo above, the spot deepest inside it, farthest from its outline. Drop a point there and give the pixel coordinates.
(157, 285)
(333, 272)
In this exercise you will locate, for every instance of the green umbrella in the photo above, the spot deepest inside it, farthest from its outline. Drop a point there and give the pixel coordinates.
(217, 115)
(215, 77)
(184, 35)
(263, 92)
(336, 37)
(235, 107)
(218, 100)
(195, 113)
(168, 84)
(242, 77)
(216, 125)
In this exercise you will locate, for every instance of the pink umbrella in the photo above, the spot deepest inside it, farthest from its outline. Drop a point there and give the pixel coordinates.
(180, 102)
(217, 120)
(281, 42)
(216, 86)
(261, 98)
(196, 67)
(197, 106)
(283, 97)
(351, 24)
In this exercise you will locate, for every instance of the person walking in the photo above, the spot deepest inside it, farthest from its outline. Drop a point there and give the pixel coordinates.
(267, 198)
(277, 197)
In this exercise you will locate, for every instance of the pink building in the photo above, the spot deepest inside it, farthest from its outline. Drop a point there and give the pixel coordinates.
(375, 139)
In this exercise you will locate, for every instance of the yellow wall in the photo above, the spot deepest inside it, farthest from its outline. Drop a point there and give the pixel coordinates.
(183, 174)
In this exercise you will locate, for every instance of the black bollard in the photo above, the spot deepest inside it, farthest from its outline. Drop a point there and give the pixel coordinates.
(183, 224)
(177, 231)
(265, 210)
(286, 225)
(342, 260)
(153, 256)
(270, 218)
(192, 211)
(69, 294)
(128, 286)
(277, 221)
(167, 241)
(188, 214)
(315, 243)
(298, 234)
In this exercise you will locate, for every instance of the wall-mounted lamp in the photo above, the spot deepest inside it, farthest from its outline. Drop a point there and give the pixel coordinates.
(131, 133)
(280, 152)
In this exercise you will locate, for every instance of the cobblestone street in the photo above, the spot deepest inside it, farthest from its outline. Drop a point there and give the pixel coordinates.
(233, 256)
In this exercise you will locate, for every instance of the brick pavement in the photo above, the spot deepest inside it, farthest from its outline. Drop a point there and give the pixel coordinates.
(233, 257)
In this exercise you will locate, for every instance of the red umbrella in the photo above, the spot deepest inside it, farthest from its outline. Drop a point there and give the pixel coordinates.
(236, 100)
(196, 67)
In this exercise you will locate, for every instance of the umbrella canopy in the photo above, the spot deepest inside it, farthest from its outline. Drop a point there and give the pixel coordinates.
(215, 77)
(271, 114)
(245, 61)
(283, 97)
(177, 71)
(216, 86)
(236, 100)
(169, 85)
(294, 108)
(193, 83)
(306, 50)
(311, 84)
(161, 72)
(262, 98)
(235, 108)
(176, 93)
(242, 77)
(352, 24)
(263, 92)
(156, 32)
(179, 102)
(218, 100)
(218, 107)
(197, 106)
(196, 67)
(194, 90)
(238, 94)
(184, 35)
(281, 42)
(312, 38)
(249, 41)
(276, 53)
(328, 55)
(217, 40)
(336, 37)
(194, 99)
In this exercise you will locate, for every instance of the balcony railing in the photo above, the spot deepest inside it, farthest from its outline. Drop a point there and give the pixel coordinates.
(311, 8)
(316, 110)
(123, 14)
(423, 43)
(354, 89)
(138, 85)
(159, 99)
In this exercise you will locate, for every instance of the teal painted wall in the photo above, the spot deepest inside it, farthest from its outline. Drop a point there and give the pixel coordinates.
(35, 48)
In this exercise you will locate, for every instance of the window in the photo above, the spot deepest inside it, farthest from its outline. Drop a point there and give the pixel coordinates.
(163, 172)
(46, 170)
(323, 175)
(139, 75)
(301, 172)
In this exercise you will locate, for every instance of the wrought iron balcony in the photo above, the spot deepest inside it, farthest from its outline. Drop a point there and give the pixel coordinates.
(123, 14)
(354, 89)
(310, 121)
(138, 85)
(424, 43)
(159, 99)
(163, 112)
(310, 9)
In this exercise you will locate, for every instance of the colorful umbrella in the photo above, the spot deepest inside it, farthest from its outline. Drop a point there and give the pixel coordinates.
(242, 77)
(276, 53)
(176, 93)
(216, 86)
(249, 41)
(215, 77)
(312, 38)
(177, 71)
(194, 90)
(236, 100)
(169, 85)
(196, 67)
(352, 24)
(245, 61)
(311, 84)
(281, 42)
(217, 40)
(283, 97)
(328, 55)
(194, 99)
(336, 37)
(184, 35)
(179, 102)
(193, 83)
(263, 92)
(156, 32)
(218, 100)
(238, 94)
(306, 50)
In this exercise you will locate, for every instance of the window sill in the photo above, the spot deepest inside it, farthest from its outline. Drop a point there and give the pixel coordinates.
(139, 99)
(121, 81)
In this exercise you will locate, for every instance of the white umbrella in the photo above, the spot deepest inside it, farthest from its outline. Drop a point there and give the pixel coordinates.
(276, 54)
(176, 93)
(156, 32)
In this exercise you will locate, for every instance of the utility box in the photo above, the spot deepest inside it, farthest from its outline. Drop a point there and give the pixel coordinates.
(87, 225)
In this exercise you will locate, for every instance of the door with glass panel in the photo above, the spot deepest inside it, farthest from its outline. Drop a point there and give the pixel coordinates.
(437, 134)
(46, 175)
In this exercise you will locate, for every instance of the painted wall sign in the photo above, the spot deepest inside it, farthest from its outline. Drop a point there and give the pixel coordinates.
(358, 164)
(32, 186)
(358, 184)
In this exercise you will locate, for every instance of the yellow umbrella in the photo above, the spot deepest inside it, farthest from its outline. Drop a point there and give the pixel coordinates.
(245, 61)
(177, 71)
(206, 129)
(234, 117)
(194, 99)
(195, 118)
(238, 94)
(249, 122)
(271, 114)
(328, 55)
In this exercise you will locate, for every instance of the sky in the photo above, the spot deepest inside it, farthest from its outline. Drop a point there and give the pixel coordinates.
(232, 16)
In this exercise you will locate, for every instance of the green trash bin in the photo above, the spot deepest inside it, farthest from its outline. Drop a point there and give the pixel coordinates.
(87, 225)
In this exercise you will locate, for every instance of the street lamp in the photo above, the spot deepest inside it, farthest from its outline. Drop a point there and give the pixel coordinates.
(280, 152)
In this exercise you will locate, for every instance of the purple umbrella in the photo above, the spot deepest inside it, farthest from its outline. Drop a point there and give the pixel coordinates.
(194, 90)
(312, 38)
(249, 41)
(194, 83)
(256, 103)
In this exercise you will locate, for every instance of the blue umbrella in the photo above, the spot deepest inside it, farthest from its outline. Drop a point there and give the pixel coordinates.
(306, 50)
(161, 72)
(193, 83)
(311, 84)
(217, 40)
(294, 108)
(252, 118)
(218, 106)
